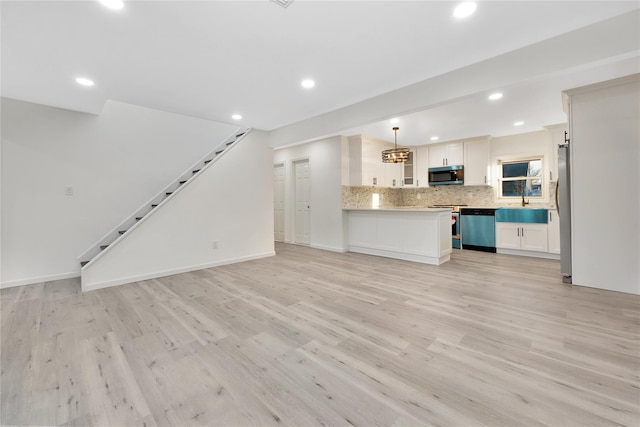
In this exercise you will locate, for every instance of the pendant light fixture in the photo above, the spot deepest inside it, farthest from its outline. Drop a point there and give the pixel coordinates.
(395, 155)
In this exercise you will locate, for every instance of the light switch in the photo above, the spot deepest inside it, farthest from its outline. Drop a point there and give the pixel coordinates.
(68, 190)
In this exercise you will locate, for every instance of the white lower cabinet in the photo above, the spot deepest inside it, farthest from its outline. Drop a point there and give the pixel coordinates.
(521, 236)
(554, 232)
(420, 235)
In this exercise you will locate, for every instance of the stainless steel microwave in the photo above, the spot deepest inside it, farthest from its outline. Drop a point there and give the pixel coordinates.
(446, 175)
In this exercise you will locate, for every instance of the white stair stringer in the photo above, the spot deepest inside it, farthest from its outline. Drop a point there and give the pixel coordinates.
(223, 216)
(95, 250)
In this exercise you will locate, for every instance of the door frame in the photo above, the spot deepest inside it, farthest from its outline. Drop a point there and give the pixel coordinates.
(292, 210)
(284, 202)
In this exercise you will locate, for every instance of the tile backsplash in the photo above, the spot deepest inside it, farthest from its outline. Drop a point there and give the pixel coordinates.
(470, 195)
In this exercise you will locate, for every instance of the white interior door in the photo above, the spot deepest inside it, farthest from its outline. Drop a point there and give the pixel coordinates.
(303, 206)
(278, 203)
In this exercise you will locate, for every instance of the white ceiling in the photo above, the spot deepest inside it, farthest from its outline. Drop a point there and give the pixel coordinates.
(211, 59)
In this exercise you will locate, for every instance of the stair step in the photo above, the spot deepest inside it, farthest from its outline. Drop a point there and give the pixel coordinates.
(103, 247)
(196, 171)
(122, 231)
(83, 263)
(207, 161)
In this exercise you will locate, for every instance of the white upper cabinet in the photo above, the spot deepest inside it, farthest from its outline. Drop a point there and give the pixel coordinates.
(372, 172)
(362, 167)
(556, 137)
(421, 168)
(392, 176)
(446, 154)
(366, 166)
(476, 162)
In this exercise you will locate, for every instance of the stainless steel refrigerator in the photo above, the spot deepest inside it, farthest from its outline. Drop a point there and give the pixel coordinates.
(563, 205)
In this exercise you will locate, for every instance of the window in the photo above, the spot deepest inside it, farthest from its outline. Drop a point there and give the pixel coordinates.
(521, 177)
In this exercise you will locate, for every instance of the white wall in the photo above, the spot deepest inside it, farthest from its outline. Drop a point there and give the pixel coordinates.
(230, 203)
(115, 162)
(605, 213)
(616, 36)
(522, 145)
(326, 172)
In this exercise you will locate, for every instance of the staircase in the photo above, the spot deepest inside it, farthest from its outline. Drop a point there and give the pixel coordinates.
(120, 232)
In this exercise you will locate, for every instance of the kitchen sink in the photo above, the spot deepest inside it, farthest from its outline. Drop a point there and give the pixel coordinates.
(522, 215)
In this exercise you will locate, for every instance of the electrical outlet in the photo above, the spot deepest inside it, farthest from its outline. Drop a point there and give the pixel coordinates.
(68, 190)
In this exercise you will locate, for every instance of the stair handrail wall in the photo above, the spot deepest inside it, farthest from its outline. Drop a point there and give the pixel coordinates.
(94, 251)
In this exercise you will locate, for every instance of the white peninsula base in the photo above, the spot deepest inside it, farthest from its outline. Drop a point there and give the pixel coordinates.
(411, 234)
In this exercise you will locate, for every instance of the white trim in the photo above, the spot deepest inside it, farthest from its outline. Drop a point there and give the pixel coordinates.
(534, 254)
(329, 248)
(544, 197)
(424, 259)
(40, 279)
(125, 280)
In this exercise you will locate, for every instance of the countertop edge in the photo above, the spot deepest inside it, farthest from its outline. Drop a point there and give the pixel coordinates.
(433, 210)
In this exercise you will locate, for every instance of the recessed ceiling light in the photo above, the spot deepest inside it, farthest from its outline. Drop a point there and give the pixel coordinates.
(465, 9)
(112, 4)
(519, 123)
(308, 83)
(495, 96)
(83, 81)
(236, 117)
(395, 121)
(435, 138)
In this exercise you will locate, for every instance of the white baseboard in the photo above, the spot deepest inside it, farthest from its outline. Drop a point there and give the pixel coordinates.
(155, 275)
(424, 259)
(534, 254)
(40, 279)
(329, 248)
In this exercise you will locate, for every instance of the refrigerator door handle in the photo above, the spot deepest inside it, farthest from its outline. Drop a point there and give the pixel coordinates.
(557, 187)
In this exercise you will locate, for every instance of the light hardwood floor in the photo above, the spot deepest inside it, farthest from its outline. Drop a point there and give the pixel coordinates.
(310, 337)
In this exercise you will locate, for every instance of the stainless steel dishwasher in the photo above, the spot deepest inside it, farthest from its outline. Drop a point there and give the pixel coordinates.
(478, 229)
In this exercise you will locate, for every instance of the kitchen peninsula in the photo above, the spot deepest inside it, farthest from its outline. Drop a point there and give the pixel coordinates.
(407, 233)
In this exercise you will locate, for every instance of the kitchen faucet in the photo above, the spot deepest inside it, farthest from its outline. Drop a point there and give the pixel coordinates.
(523, 202)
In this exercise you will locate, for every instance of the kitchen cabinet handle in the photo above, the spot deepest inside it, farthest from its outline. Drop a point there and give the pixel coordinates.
(522, 231)
(485, 179)
(518, 231)
(550, 218)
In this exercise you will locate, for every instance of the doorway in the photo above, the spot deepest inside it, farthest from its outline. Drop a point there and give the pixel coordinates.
(302, 202)
(278, 202)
